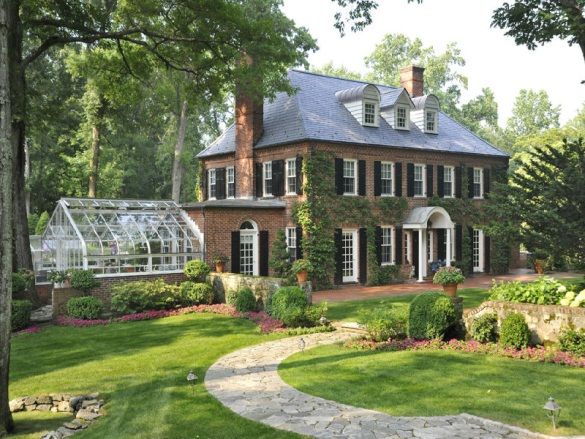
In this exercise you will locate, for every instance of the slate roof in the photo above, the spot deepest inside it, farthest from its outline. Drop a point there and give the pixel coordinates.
(315, 113)
(237, 203)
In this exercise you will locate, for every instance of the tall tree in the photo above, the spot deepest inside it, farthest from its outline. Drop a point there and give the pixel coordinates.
(533, 113)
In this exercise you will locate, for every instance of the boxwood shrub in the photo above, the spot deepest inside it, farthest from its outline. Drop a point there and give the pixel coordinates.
(573, 341)
(86, 308)
(138, 296)
(485, 328)
(21, 310)
(83, 280)
(385, 323)
(514, 332)
(230, 297)
(245, 300)
(289, 304)
(430, 316)
(196, 293)
(196, 270)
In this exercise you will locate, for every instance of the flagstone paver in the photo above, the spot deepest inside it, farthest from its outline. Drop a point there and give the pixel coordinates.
(247, 382)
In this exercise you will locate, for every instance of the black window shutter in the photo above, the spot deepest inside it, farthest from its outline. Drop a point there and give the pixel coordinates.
(458, 182)
(362, 177)
(339, 176)
(278, 178)
(487, 254)
(338, 257)
(441, 244)
(363, 255)
(299, 174)
(441, 181)
(377, 178)
(220, 183)
(410, 180)
(470, 262)
(259, 182)
(398, 245)
(263, 253)
(236, 252)
(379, 244)
(429, 180)
(204, 185)
(398, 179)
(470, 182)
(299, 232)
(458, 242)
(486, 181)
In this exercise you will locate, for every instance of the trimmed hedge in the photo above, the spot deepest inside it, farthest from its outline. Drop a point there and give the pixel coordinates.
(138, 296)
(21, 310)
(83, 280)
(514, 332)
(430, 316)
(384, 324)
(573, 341)
(245, 300)
(196, 270)
(85, 308)
(485, 328)
(196, 293)
(289, 305)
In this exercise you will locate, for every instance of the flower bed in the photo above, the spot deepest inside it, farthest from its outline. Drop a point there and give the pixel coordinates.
(537, 354)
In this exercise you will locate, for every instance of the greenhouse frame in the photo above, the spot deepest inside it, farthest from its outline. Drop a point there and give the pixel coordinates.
(118, 236)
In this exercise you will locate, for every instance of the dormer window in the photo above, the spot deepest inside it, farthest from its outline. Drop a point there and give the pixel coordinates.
(363, 102)
(402, 117)
(370, 113)
(430, 121)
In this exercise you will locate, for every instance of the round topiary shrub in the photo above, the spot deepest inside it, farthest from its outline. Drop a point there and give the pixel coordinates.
(573, 341)
(196, 293)
(21, 310)
(514, 332)
(196, 270)
(245, 300)
(86, 308)
(430, 315)
(485, 328)
(289, 304)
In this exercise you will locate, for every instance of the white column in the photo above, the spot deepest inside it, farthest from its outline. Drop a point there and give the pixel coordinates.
(422, 254)
(448, 244)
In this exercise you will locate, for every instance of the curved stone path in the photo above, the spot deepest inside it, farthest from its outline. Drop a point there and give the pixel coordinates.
(247, 382)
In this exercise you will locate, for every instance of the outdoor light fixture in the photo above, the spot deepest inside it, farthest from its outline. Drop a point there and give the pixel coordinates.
(302, 344)
(323, 320)
(191, 378)
(553, 410)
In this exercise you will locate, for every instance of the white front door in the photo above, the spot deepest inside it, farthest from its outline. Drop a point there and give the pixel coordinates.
(248, 264)
(349, 260)
(478, 250)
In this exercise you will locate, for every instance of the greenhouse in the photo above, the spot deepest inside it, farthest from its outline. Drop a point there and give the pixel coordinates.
(118, 236)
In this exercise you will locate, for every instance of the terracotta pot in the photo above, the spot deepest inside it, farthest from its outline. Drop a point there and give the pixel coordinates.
(539, 266)
(219, 267)
(302, 276)
(450, 290)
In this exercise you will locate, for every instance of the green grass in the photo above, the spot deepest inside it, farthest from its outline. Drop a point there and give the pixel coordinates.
(140, 370)
(412, 383)
(350, 310)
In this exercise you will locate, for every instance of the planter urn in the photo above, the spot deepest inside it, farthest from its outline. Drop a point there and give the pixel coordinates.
(219, 267)
(450, 290)
(302, 276)
(539, 266)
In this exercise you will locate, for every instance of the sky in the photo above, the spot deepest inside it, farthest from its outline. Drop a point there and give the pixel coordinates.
(492, 59)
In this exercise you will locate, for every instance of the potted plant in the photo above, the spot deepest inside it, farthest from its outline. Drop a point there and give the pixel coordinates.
(302, 268)
(220, 261)
(449, 277)
(60, 278)
(539, 261)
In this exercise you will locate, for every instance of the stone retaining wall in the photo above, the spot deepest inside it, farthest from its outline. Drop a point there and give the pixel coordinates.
(261, 286)
(545, 321)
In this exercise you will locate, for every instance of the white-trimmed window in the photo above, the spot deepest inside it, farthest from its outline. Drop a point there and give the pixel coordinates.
(291, 242)
(477, 182)
(230, 181)
(267, 179)
(291, 177)
(448, 181)
(349, 177)
(419, 180)
(387, 241)
(370, 113)
(386, 173)
(212, 184)
(402, 116)
(430, 121)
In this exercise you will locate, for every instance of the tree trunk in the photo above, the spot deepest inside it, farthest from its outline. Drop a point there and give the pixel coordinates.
(177, 164)
(94, 163)
(7, 13)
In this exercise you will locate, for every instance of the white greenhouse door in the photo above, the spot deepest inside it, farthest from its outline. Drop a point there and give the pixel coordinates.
(478, 251)
(349, 245)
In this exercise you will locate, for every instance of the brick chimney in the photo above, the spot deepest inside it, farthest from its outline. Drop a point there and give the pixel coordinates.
(249, 120)
(412, 78)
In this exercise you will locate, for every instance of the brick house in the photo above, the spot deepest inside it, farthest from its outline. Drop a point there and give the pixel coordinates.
(384, 141)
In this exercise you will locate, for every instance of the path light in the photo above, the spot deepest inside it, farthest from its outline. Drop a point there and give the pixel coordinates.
(323, 321)
(553, 410)
(302, 344)
(191, 378)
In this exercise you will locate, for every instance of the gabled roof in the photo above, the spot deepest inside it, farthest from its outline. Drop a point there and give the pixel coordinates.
(315, 113)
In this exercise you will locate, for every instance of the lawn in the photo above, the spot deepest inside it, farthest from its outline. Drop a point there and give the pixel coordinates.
(350, 310)
(140, 370)
(410, 383)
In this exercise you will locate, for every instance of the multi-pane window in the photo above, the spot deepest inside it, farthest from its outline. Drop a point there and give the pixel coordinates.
(291, 176)
(478, 262)
(419, 180)
(349, 174)
(386, 245)
(212, 184)
(247, 254)
(477, 182)
(401, 117)
(230, 182)
(267, 179)
(291, 242)
(448, 179)
(431, 121)
(386, 175)
(369, 113)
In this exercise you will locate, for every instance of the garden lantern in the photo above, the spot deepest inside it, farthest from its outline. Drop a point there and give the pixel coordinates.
(302, 344)
(191, 378)
(553, 410)
(323, 321)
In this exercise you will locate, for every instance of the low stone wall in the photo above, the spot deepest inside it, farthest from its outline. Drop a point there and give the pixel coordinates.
(260, 285)
(545, 321)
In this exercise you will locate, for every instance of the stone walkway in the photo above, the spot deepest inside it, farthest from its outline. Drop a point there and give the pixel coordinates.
(247, 382)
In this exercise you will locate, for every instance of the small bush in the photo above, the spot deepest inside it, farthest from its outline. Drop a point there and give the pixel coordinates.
(485, 328)
(196, 270)
(289, 305)
(573, 341)
(230, 297)
(385, 323)
(387, 274)
(22, 281)
(448, 275)
(430, 316)
(133, 297)
(544, 291)
(245, 300)
(196, 293)
(21, 310)
(514, 332)
(83, 280)
(85, 308)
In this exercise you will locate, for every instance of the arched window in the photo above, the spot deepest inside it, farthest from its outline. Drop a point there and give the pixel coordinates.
(249, 248)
